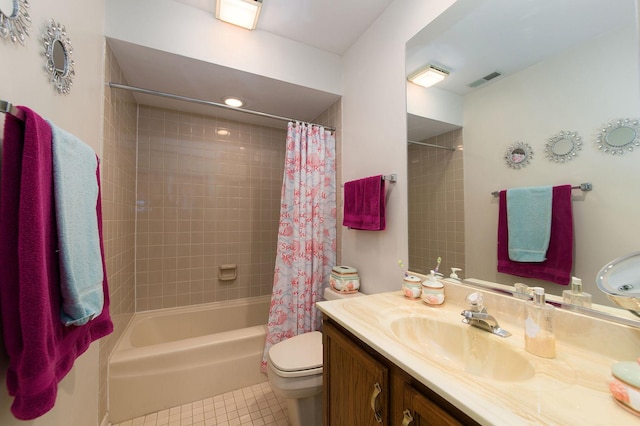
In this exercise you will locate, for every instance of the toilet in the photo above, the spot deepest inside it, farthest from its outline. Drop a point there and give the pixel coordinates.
(294, 368)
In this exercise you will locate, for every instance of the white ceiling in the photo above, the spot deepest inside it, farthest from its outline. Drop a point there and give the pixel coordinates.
(330, 25)
(471, 40)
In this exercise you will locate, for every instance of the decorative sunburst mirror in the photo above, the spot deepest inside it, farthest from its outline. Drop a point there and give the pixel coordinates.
(58, 50)
(518, 155)
(563, 147)
(619, 136)
(14, 20)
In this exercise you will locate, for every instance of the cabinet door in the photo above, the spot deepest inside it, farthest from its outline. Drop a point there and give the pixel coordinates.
(418, 410)
(355, 385)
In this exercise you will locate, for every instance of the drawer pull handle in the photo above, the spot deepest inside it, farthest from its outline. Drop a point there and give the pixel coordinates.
(407, 419)
(374, 396)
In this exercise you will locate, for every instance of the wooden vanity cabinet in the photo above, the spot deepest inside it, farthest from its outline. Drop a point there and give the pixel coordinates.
(362, 387)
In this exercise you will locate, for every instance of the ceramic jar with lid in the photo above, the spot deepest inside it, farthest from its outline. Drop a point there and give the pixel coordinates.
(412, 287)
(344, 279)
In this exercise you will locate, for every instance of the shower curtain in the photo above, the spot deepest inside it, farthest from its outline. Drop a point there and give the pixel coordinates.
(306, 234)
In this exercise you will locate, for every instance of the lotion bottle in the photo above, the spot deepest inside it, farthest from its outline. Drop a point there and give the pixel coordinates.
(576, 296)
(539, 338)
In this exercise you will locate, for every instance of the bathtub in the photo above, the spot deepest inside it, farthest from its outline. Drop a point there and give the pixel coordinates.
(173, 356)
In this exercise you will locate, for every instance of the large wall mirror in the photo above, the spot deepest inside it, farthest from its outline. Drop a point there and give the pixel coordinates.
(521, 71)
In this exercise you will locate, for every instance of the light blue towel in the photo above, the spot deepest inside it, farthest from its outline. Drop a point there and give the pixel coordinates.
(529, 223)
(75, 189)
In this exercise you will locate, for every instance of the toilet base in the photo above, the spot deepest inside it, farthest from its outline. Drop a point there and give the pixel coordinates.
(305, 411)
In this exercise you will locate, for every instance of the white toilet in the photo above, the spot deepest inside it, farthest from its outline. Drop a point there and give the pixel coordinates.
(294, 368)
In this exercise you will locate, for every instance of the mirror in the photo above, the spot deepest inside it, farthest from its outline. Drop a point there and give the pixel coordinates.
(619, 136)
(519, 74)
(14, 20)
(563, 147)
(59, 65)
(518, 155)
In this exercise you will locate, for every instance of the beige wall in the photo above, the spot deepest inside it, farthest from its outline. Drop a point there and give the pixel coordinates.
(204, 201)
(24, 82)
(118, 167)
(436, 204)
(375, 134)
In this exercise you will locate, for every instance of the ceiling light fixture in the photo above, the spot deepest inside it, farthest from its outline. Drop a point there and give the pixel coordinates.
(428, 76)
(243, 13)
(233, 102)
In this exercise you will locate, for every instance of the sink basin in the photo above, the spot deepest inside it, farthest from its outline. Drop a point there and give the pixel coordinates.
(462, 347)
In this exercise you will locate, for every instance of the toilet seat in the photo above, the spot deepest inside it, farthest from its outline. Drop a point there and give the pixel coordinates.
(297, 356)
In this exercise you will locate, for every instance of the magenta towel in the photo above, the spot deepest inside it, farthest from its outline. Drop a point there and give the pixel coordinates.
(364, 204)
(41, 349)
(559, 264)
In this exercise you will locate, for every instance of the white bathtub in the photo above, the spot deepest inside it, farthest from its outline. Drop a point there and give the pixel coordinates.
(173, 356)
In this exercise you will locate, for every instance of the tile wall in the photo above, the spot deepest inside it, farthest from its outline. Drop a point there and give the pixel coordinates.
(205, 200)
(436, 204)
(332, 117)
(118, 176)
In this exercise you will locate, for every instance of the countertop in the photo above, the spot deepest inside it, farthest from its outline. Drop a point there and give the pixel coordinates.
(571, 389)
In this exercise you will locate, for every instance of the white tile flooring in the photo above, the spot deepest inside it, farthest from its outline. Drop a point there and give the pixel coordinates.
(255, 405)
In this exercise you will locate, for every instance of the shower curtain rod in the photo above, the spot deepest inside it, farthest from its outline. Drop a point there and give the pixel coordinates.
(431, 145)
(208, 103)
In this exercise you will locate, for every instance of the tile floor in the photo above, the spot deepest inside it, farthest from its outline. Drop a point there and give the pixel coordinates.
(255, 405)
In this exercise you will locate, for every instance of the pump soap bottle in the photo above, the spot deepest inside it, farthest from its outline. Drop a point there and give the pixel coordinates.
(538, 326)
(576, 296)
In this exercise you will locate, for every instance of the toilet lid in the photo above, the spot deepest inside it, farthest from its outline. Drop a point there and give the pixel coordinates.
(298, 353)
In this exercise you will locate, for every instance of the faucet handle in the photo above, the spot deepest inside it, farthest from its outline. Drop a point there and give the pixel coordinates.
(475, 300)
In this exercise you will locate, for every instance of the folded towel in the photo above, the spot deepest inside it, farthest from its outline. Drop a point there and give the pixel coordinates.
(559, 264)
(364, 204)
(75, 193)
(529, 223)
(41, 350)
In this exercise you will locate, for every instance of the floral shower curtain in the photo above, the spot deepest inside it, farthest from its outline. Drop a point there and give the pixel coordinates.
(306, 234)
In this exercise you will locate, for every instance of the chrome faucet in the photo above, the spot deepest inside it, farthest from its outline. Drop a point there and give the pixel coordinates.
(477, 316)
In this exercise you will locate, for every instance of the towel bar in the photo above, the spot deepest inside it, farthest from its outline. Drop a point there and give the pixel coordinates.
(587, 186)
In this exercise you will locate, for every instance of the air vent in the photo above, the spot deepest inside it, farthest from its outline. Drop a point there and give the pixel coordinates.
(484, 79)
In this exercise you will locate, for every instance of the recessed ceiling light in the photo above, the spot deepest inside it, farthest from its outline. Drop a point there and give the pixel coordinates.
(233, 102)
(428, 76)
(243, 13)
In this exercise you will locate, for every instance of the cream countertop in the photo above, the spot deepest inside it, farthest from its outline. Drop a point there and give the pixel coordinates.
(571, 389)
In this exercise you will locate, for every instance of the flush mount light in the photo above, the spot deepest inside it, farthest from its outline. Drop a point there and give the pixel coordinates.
(428, 76)
(233, 102)
(223, 131)
(243, 13)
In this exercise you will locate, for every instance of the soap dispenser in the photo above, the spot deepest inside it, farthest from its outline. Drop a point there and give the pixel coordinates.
(539, 338)
(576, 296)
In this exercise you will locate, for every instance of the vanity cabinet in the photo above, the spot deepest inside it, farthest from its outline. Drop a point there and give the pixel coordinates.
(355, 384)
(362, 387)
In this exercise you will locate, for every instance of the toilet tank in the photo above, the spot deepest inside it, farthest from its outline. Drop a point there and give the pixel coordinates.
(331, 294)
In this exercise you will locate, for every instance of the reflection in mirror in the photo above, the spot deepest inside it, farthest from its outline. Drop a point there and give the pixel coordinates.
(59, 58)
(563, 147)
(505, 85)
(58, 50)
(8, 8)
(14, 20)
(619, 136)
(518, 155)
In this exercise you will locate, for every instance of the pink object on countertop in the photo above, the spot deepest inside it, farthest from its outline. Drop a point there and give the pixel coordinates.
(364, 204)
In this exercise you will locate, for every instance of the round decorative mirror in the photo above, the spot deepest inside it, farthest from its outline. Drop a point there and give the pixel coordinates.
(58, 50)
(518, 155)
(563, 147)
(619, 136)
(14, 20)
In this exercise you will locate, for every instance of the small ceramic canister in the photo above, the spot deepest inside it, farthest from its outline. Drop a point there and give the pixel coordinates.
(625, 385)
(412, 287)
(433, 292)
